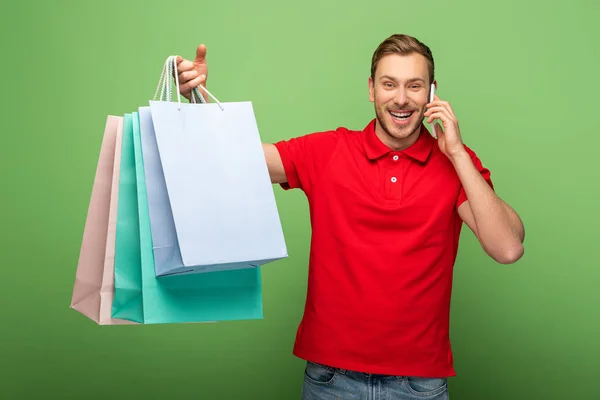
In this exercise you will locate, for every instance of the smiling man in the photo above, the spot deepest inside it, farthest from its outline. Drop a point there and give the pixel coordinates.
(387, 204)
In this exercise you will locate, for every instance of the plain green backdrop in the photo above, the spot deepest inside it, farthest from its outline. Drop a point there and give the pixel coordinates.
(521, 77)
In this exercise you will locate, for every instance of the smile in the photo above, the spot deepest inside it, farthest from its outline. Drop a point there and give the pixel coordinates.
(401, 116)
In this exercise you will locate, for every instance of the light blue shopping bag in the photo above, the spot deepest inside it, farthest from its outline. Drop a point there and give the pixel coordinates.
(167, 255)
(215, 209)
(142, 297)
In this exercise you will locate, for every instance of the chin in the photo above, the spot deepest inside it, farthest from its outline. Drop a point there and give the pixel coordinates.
(401, 132)
(399, 135)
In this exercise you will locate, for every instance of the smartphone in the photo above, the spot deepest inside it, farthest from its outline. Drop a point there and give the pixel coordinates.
(431, 126)
(431, 92)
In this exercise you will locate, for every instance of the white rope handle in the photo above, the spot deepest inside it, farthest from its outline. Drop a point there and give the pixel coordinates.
(174, 59)
(165, 91)
(210, 94)
(161, 80)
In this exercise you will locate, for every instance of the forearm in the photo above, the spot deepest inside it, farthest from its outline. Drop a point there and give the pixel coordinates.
(499, 228)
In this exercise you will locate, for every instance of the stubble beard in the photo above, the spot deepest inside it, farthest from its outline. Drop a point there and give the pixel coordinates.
(393, 131)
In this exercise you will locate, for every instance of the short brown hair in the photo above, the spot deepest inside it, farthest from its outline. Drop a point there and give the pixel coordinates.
(402, 45)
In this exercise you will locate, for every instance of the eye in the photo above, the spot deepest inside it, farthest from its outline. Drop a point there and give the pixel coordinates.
(388, 84)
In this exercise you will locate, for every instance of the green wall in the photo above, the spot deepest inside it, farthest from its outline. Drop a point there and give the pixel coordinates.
(521, 77)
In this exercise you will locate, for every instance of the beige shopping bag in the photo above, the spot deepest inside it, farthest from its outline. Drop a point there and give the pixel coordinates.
(94, 280)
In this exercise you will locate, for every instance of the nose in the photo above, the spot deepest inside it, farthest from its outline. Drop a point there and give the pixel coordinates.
(401, 97)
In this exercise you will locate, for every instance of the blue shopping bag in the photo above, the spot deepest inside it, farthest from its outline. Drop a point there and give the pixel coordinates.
(213, 189)
(167, 254)
(142, 297)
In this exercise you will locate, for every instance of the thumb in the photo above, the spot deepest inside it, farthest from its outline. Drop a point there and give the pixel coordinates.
(438, 131)
(200, 54)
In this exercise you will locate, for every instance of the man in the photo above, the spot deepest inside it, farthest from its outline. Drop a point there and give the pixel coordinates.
(387, 204)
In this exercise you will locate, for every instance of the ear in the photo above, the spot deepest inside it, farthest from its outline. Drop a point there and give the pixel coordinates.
(371, 91)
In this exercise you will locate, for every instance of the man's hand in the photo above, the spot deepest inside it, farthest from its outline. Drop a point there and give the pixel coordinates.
(449, 138)
(193, 73)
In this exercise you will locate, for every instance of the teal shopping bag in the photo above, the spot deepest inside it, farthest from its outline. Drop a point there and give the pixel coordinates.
(142, 297)
(127, 299)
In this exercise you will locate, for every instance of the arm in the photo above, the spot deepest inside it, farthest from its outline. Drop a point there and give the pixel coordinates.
(496, 225)
(274, 163)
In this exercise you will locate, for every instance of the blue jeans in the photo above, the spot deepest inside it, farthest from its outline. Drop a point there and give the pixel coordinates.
(326, 383)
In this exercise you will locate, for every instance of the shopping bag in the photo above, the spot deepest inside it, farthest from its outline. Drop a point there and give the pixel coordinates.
(218, 189)
(93, 288)
(108, 287)
(127, 300)
(142, 297)
(167, 255)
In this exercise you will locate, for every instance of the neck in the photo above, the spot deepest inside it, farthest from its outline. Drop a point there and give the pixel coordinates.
(395, 143)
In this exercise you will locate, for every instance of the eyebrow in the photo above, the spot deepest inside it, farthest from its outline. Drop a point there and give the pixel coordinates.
(396, 80)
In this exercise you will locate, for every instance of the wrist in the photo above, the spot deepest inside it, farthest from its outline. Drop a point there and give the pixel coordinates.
(458, 156)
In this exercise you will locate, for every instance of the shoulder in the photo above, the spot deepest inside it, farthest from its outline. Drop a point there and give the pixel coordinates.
(326, 135)
(316, 142)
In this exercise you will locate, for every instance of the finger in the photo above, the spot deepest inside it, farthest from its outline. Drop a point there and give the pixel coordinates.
(190, 85)
(187, 76)
(185, 65)
(439, 109)
(438, 102)
(200, 54)
(439, 131)
(441, 115)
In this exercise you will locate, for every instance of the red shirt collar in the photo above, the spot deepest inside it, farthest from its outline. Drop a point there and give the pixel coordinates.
(375, 148)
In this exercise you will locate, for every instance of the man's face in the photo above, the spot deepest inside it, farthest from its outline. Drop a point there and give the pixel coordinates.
(399, 93)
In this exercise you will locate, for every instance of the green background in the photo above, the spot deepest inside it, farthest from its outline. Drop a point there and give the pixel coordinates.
(521, 77)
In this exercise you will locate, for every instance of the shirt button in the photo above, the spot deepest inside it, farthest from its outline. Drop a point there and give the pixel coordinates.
(394, 179)
(395, 158)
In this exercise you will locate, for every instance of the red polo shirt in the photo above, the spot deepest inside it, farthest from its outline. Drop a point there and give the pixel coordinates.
(385, 232)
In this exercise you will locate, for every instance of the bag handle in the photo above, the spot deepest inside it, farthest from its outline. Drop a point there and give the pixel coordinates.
(166, 81)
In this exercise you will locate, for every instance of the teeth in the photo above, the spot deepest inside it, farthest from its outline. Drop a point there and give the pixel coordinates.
(401, 115)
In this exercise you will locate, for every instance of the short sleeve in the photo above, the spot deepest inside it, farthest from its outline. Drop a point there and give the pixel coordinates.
(485, 173)
(304, 157)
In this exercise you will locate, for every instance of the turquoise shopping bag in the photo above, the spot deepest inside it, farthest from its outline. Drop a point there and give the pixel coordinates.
(142, 297)
(127, 299)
